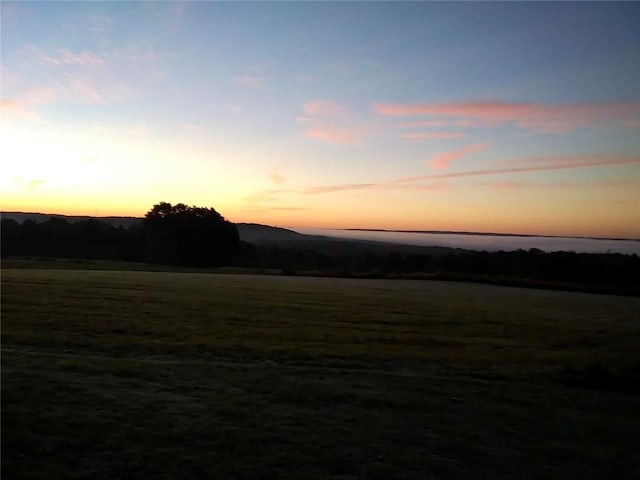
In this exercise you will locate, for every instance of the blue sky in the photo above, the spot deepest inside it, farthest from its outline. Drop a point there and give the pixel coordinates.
(519, 117)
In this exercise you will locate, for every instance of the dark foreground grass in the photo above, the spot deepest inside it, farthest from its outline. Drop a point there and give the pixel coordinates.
(167, 375)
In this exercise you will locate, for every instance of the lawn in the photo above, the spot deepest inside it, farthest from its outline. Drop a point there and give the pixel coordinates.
(113, 374)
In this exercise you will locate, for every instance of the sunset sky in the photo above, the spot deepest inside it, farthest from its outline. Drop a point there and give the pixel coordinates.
(491, 117)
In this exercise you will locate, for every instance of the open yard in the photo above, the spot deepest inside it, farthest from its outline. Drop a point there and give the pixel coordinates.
(113, 374)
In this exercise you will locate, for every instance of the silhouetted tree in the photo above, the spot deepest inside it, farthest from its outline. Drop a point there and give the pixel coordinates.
(191, 236)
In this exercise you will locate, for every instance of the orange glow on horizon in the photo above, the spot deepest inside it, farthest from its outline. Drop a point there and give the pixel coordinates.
(302, 219)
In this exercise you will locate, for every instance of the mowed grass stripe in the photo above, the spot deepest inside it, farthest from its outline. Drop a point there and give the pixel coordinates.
(448, 323)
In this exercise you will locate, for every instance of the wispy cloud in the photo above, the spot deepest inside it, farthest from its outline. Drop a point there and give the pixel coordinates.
(39, 96)
(95, 90)
(444, 159)
(515, 185)
(89, 86)
(338, 188)
(85, 92)
(67, 57)
(426, 123)
(255, 76)
(441, 181)
(8, 103)
(266, 196)
(324, 108)
(139, 54)
(138, 129)
(333, 123)
(536, 117)
(432, 135)
(86, 59)
(277, 176)
(271, 201)
(540, 164)
(26, 106)
(336, 134)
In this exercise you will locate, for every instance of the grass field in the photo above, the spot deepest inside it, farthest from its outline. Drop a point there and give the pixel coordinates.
(114, 374)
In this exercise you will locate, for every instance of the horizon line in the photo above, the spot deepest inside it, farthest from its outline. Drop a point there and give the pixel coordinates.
(356, 229)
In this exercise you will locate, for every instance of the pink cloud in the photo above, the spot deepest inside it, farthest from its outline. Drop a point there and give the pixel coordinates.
(14, 110)
(432, 135)
(444, 159)
(86, 59)
(335, 134)
(96, 91)
(25, 107)
(541, 118)
(528, 166)
(77, 90)
(32, 98)
(383, 185)
(440, 182)
(67, 57)
(426, 123)
(333, 123)
(323, 108)
(8, 103)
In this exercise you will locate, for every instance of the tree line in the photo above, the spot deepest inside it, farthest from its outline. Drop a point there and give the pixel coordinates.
(591, 272)
(177, 235)
(181, 235)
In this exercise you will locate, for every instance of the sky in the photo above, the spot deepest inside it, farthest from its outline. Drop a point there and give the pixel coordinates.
(490, 117)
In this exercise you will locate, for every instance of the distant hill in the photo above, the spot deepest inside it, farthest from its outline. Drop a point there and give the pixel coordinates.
(43, 217)
(249, 232)
(255, 232)
(260, 234)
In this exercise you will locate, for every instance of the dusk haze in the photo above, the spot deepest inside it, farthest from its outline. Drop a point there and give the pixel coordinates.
(516, 118)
